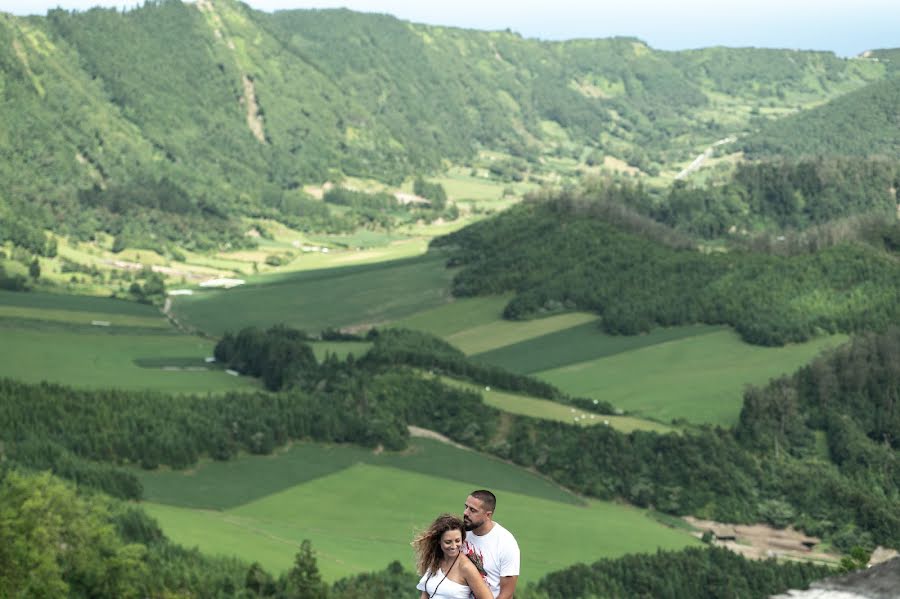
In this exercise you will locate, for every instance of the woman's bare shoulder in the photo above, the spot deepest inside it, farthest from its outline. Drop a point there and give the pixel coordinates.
(466, 566)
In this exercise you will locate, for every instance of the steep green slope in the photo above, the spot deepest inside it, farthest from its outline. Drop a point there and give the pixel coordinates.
(862, 123)
(147, 123)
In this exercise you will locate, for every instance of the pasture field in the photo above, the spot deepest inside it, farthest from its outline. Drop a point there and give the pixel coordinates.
(362, 517)
(460, 186)
(476, 325)
(87, 357)
(503, 333)
(361, 295)
(226, 485)
(580, 342)
(80, 317)
(699, 378)
(360, 239)
(49, 337)
(109, 308)
(458, 315)
(396, 250)
(545, 409)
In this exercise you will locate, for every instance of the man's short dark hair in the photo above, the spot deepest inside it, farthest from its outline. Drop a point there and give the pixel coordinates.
(487, 499)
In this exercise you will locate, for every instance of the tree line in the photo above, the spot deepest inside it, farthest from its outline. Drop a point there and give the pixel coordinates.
(781, 194)
(557, 255)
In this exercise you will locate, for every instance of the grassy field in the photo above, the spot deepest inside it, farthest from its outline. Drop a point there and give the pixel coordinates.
(362, 515)
(35, 352)
(551, 410)
(110, 308)
(318, 299)
(395, 250)
(456, 316)
(696, 372)
(226, 485)
(81, 317)
(50, 337)
(475, 325)
(699, 378)
(580, 342)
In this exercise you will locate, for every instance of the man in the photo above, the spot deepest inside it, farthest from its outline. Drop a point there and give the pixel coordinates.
(491, 544)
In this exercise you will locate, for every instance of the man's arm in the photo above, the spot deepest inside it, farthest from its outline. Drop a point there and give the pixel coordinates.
(507, 587)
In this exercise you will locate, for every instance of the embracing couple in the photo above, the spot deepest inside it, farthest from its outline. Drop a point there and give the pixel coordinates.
(469, 557)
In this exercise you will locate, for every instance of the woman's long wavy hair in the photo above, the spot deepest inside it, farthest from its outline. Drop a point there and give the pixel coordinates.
(428, 544)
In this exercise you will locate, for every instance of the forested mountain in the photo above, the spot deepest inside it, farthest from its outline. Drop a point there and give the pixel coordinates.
(862, 123)
(147, 122)
(779, 194)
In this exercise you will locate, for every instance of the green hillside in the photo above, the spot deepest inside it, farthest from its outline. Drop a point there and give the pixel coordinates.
(665, 285)
(699, 379)
(861, 123)
(148, 122)
(287, 503)
(595, 255)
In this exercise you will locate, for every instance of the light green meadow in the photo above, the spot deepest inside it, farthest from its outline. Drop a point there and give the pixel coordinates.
(93, 342)
(544, 409)
(82, 358)
(476, 325)
(226, 485)
(502, 333)
(348, 296)
(80, 317)
(393, 250)
(362, 518)
(465, 187)
(699, 378)
(458, 315)
(580, 343)
(108, 308)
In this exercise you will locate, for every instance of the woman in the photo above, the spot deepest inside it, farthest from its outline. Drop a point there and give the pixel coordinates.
(446, 572)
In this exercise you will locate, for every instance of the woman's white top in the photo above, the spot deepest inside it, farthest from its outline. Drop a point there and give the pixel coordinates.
(446, 589)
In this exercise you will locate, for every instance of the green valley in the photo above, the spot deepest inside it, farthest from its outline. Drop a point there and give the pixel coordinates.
(278, 288)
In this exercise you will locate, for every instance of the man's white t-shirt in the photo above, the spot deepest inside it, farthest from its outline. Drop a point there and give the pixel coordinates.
(499, 553)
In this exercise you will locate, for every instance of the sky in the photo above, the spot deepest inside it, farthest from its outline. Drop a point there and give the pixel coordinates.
(846, 27)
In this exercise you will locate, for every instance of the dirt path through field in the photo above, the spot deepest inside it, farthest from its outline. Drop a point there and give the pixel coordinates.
(415, 431)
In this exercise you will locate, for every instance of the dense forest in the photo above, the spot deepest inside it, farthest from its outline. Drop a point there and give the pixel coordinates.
(780, 195)
(834, 127)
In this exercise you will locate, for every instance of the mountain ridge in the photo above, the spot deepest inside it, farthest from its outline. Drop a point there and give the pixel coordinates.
(237, 110)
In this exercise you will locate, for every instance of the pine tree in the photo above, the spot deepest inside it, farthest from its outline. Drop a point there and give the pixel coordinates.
(304, 581)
